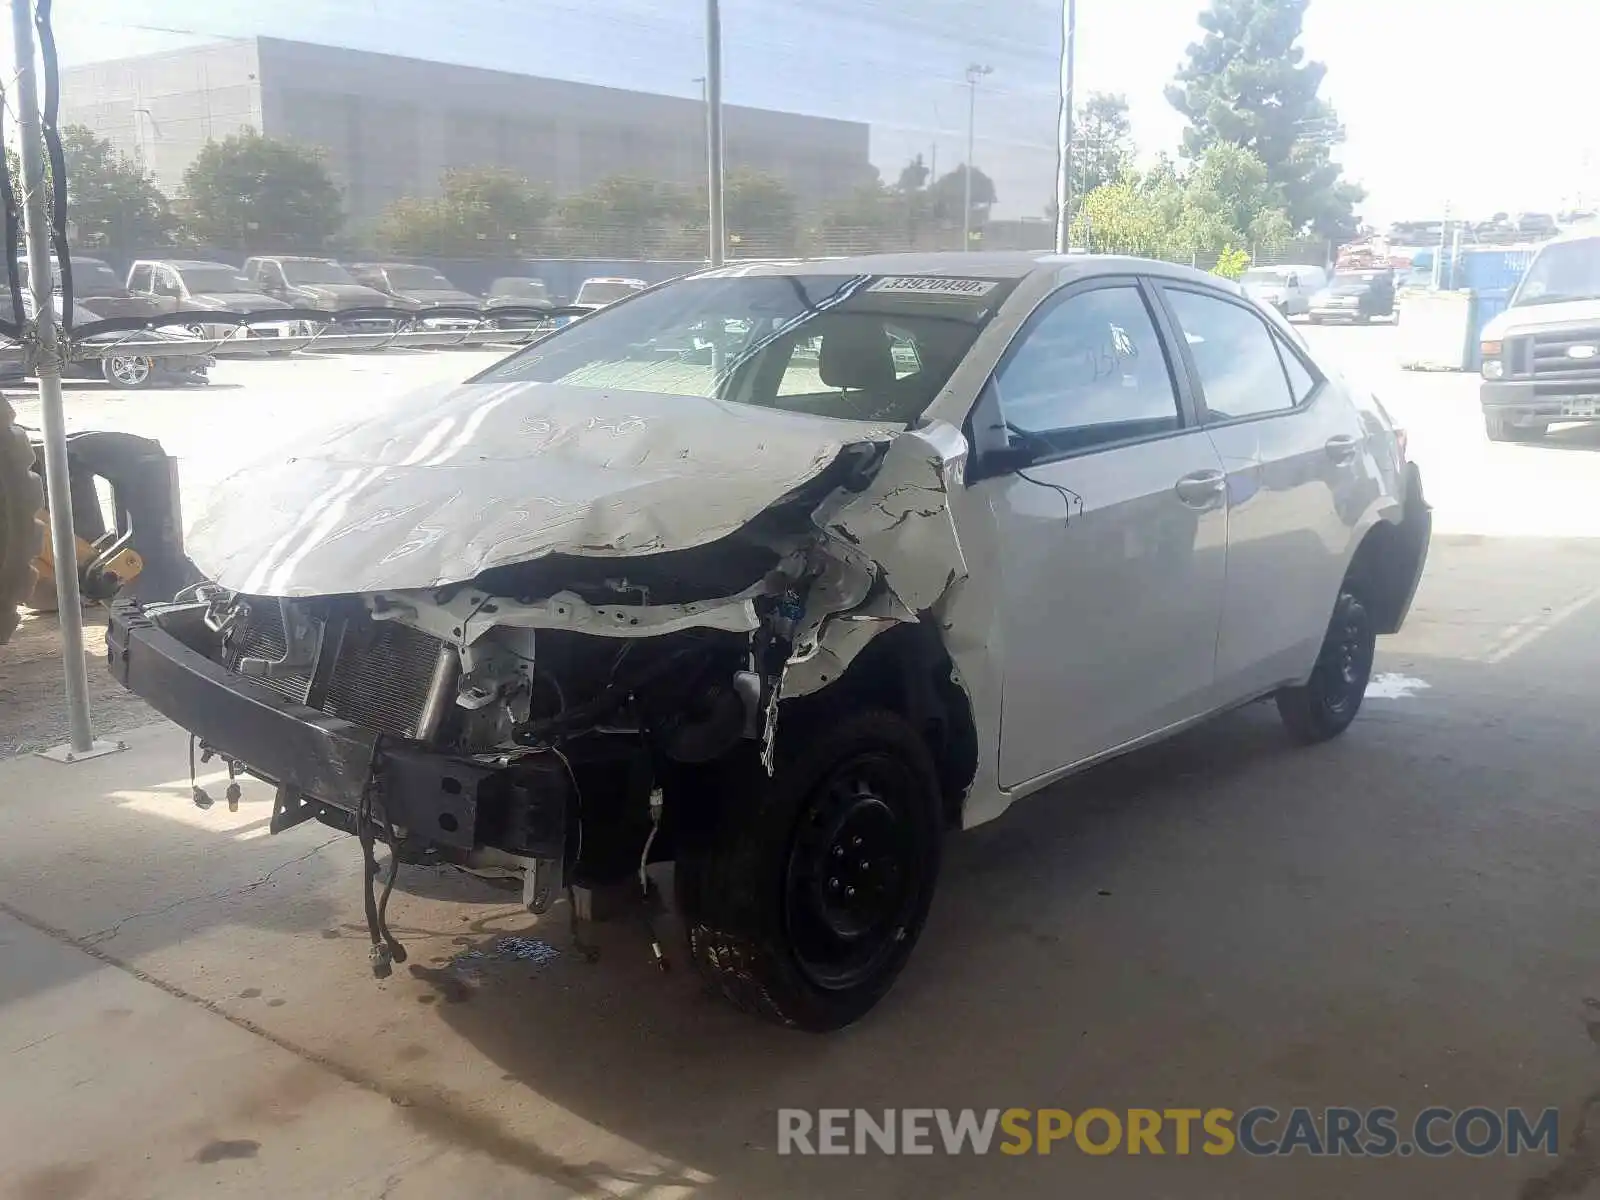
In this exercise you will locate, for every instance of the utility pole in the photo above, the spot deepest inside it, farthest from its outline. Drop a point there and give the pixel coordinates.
(47, 355)
(1069, 37)
(974, 73)
(714, 218)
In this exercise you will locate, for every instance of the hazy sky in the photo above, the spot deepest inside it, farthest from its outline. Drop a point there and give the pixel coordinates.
(1484, 104)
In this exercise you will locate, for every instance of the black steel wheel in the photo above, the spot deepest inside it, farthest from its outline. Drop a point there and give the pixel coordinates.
(1324, 705)
(804, 894)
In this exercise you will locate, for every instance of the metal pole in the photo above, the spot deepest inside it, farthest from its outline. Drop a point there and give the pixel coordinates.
(714, 218)
(966, 172)
(63, 540)
(1439, 255)
(1069, 37)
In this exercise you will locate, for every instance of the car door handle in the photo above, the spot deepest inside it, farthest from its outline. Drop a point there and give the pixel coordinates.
(1342, 448)
(1202, 489)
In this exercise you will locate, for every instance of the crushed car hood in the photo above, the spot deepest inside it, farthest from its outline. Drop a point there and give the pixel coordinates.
(449, 482)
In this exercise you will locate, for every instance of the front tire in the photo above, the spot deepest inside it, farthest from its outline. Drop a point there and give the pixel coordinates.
(132, 371)
(803, 894)
(1500, 428)
(1323, 706)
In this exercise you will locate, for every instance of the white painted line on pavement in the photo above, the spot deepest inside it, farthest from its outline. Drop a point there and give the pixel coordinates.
(1524, 633)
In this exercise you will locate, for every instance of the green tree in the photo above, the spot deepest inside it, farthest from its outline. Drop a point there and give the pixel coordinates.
(759, 211)
(480, 212)
(1230, 188)
(913, 177)
(112, 202)
(947, 194)
(1224, 200)
(1122, 218)
(1102, 142)
(1247, 82)
(623, 215)
(1231, 263)
(250, 192)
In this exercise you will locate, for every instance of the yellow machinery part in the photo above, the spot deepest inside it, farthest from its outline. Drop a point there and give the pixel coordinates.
(120, 569)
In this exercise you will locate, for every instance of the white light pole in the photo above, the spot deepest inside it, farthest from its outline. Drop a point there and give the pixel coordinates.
(975, 72)
(81, 743)
(1069, 36)
(714, 131)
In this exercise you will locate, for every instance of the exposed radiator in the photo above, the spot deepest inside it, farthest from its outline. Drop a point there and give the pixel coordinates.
(380, 676)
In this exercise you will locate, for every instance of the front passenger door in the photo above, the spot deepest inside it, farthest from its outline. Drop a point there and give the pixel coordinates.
(1112, 542)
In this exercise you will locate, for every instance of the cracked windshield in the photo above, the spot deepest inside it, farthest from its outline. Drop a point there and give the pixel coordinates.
(760, 600)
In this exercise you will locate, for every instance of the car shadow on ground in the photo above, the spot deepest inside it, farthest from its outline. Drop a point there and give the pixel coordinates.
(100, 387)
(1173, 922)
(1571, 437)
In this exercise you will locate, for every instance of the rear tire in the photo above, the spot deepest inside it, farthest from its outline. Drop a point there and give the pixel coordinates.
(803, 894)
(1323, 706)
(21, 531)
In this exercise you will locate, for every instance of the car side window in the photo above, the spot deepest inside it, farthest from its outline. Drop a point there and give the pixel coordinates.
(139, 281)
(1235, 356)
(1088, 371)
(1301, 381)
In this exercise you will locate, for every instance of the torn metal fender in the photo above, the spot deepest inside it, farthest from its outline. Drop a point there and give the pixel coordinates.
(902, 521)
(900, 530)
(841, 640)
(468, 616)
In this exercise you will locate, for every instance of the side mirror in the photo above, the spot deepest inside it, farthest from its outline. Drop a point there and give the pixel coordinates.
(995, 449)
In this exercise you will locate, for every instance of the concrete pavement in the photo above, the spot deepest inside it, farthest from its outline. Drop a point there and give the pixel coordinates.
(1404, 917)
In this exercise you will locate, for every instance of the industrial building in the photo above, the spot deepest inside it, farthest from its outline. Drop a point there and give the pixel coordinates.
(391, 126)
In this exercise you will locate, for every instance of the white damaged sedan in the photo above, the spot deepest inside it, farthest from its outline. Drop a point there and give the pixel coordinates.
(782, 571)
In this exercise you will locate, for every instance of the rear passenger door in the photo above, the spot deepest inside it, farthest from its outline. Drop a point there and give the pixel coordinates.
(1293, 450)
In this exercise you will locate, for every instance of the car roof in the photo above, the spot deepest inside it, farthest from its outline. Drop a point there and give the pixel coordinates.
(1008, 264)
(385, 266)
(1586, 231)
(74, 256)
(290, 258)
(184, 264)
(615, 279)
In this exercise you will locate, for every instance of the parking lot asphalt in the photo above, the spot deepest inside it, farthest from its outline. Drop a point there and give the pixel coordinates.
(1402, 918)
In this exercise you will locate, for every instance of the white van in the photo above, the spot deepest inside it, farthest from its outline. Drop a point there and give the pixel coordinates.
(1287, 288)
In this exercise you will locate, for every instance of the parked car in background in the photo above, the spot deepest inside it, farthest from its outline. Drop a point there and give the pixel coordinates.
(190, 285)
(1286, 288)
(319, 283)
(764, 613)
(413, 286)
(601, 291)
(1355, 296)
(519, 292)
(96, 289)
(189, 360)
(1541, 357)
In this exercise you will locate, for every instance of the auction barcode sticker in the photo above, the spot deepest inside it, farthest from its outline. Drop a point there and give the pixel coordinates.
(933, 285)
